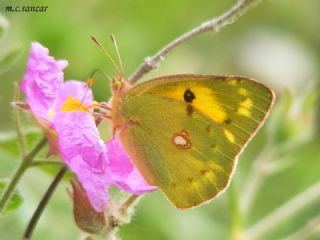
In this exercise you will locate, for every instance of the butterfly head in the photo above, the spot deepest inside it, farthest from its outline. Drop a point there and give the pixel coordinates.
(119, 86)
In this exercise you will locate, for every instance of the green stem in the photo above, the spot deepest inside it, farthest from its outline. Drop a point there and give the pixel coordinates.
(44, 163)
(43, 203)
(285, 212)
(256, 177)
(17, 122)
(236, 215)
(26, 161)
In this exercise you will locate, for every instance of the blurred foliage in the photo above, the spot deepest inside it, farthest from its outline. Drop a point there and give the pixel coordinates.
(277, 42)
(8, 59)
(15, 200)
(3, 25)
(9, 143)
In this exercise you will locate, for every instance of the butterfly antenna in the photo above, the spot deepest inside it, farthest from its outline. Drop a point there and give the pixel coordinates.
(92, 78)
(114, 41)
(106, 76)
(107, 54)
(89, 83)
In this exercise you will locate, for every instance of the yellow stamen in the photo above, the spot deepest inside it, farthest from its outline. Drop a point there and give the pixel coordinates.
(73, 104)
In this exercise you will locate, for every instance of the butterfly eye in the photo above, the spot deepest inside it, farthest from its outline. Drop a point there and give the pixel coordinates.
(117, 84)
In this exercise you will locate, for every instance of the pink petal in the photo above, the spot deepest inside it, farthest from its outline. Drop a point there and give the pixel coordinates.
(122, 172)
(43, 78)
(85, 153)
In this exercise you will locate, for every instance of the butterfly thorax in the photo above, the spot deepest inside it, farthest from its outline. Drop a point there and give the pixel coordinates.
(120, 86)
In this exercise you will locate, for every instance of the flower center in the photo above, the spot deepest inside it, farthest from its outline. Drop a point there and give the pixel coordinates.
(73, 104)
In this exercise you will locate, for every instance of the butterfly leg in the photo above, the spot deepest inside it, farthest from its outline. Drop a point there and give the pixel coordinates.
(103, 112)
(104, 106)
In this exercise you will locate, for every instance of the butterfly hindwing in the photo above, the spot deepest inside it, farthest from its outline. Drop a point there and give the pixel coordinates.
(186, 131)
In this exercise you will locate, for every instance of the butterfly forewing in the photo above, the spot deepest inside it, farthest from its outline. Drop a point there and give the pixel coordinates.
(187, 130)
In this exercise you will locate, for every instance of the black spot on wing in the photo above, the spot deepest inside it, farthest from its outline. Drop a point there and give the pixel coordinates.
(189, 96)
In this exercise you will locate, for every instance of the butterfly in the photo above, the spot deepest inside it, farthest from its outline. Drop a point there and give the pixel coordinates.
(184, 132)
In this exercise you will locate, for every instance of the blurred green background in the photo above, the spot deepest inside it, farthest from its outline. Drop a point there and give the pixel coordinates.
(278, 42)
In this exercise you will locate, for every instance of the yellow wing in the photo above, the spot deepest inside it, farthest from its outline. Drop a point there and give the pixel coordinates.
(187, 131)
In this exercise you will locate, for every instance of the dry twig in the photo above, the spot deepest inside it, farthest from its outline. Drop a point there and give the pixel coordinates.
(213, 25)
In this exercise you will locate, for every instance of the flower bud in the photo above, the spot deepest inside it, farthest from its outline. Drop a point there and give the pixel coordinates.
(85, 216)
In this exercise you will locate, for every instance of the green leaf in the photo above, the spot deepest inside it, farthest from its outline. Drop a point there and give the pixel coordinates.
(9, 148)
(10, 143)
(15, 200)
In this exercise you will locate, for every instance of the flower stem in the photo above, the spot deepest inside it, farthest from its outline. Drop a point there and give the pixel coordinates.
(256, 177)
(43, 203)
(45, 163)
(17, 122)
(311, 229)
(284, 212)
(129, 202)
(26, 161)
(236, 214)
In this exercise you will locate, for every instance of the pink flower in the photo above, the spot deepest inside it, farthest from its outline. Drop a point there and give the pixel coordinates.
(42, 81)
(45, 90)
(123, 173)
(85, 154)
(64, 109)
(97, 165)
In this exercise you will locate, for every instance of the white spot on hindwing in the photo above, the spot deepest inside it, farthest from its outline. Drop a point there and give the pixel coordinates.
(181, 140)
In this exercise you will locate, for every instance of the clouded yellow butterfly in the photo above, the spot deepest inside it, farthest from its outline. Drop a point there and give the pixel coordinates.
(184, 132)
